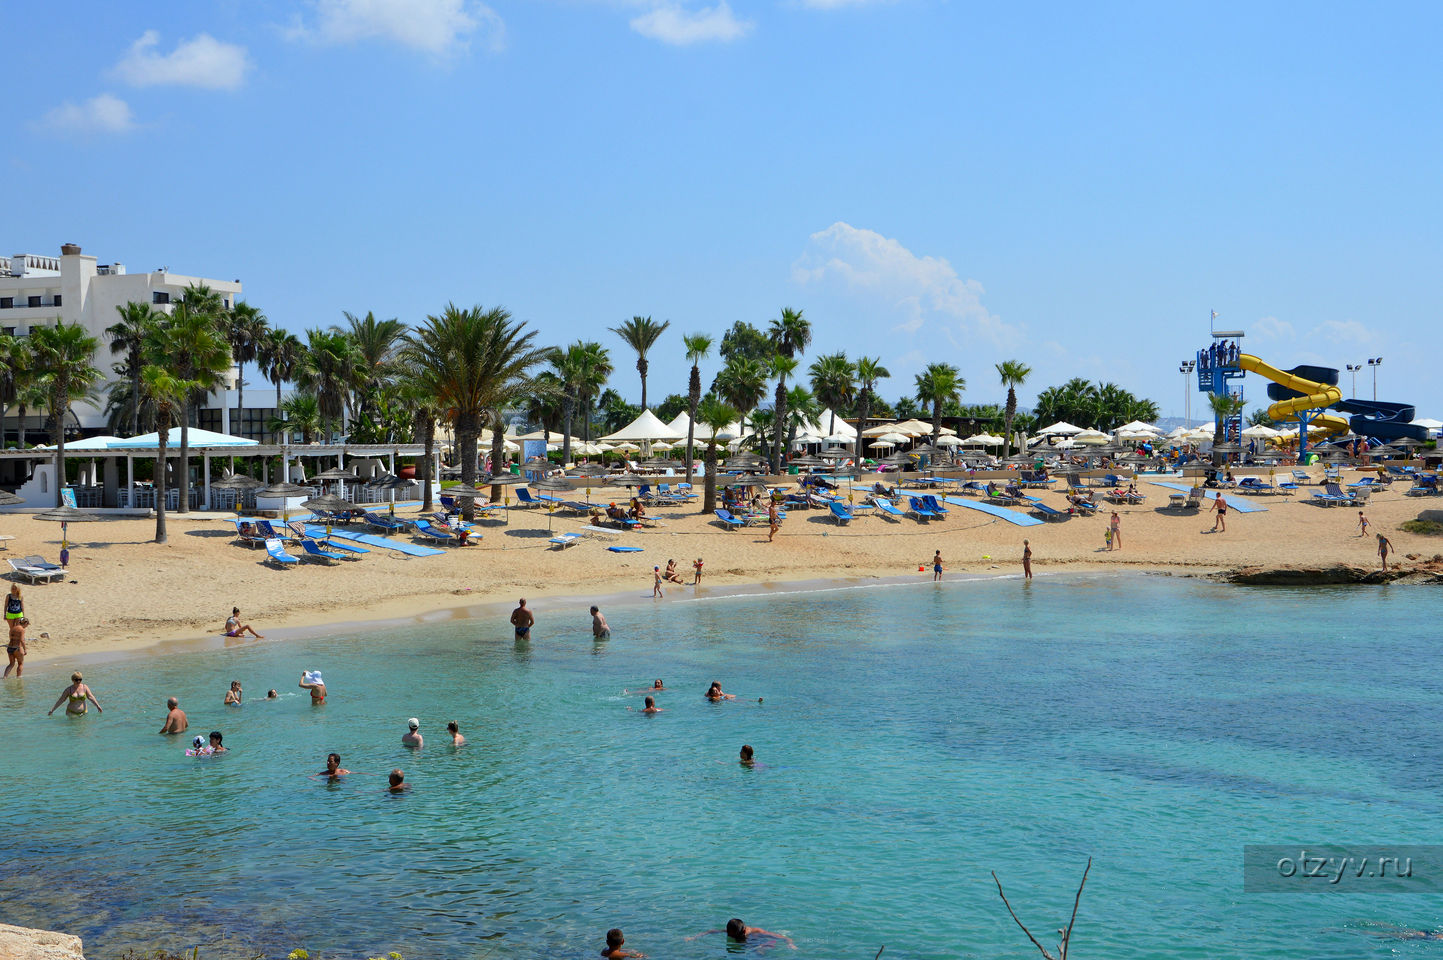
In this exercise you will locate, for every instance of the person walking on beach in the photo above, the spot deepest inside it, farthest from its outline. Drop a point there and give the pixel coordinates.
(234, 628)
(697, 567)
(1107, 538)
(76, 697)
(1384, 546)
(311, 680)
(1026, 560)
(14, 604)
(1220, 507)
(175, 721)
(15, 647)
(412, 737)
(936, 566)
(1362, 524)
(1116, 530)
(774, 519)
(656, 583)
(522, 619)
(600, 630)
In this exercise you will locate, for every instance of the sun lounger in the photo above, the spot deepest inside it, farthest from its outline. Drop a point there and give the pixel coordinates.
(1001, 496)
(930, 499)
(269, 532)
(1086, 507)
(431, 532)
(1046, 512)
(887, 507)
(1331, 496)
(35, 569)
(1253, 485)
(253, 539)
(1301, 476)
(314, 551)
(276, 551)
(563, 540)
(385, 524)
(1424, 485)
(840, 513)
(729, 521)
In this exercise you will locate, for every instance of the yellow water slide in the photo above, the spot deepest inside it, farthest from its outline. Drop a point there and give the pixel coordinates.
(1315, 396)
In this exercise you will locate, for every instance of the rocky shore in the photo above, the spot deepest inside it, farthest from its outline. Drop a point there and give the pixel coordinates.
(22, 943)
(1411, 569)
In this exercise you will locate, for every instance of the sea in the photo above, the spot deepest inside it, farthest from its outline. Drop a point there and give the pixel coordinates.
(916, 744)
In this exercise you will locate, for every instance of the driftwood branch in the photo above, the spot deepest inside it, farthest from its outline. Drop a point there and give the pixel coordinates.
(1064, 934)
(879, 953)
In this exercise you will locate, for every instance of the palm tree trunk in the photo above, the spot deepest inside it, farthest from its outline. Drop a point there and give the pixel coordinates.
(428, 433)
(159, 484)
(498, 453)
(240, 390)
(566, 407)
(780, 426)
(183, 486)
(708, 501)
(936, 421)
(57, 427)
(1008, 414)
(466, 429)
(23, 411)
(641, 366)
(135, 361)
(862, 421)
(277, 438)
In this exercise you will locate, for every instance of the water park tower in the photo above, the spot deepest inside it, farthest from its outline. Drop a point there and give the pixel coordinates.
(1218, 367)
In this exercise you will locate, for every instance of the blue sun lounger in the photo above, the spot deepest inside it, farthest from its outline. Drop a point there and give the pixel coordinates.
(930, 499)
(887, 507)
(425, 529)
(385, 524)
(839, 512)
(729, 521)
(919, 509)
(314, 551)
(1046, 512)
(276, 551)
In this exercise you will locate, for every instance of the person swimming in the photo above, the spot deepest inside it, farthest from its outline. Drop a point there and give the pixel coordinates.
(455, 731)
(650, 706)
(397, 781)
(715, 692)
(746, 756)
(333, 767)
(234, 694)
(76, 698)
(739, 932)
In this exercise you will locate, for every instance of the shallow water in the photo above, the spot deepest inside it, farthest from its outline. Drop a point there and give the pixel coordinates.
(912, 739)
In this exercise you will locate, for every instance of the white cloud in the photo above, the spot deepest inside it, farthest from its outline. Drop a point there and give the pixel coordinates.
(674, 24)
(202, 61)
(919, 290)
(102, 114)
(1348, 331)
(1271, 328)
(438, 27)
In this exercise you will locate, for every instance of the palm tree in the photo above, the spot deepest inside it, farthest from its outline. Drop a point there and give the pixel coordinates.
(783, 366)
(419, 392)
(328, 368)
(62, 355)
(869, 371)
(1012, 373)
(641, 333)
(1224, 405)
(742, 383)
(834, 380)
(127, 339)
(166, 393)
(791, 334)
(698, 345)
(279, 354)
(301, 413)
(245, 329)
(938, 384)
(594, 369)
(477, 361)
(202, 299)
(376, 343)
(715, 416)
(802, 406)
(572, 367)
(16, 368)
(192, 347)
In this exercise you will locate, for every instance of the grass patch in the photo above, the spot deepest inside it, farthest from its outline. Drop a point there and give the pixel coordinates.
(1429, 528)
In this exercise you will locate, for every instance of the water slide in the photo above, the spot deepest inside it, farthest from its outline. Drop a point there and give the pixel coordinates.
(1295, 392)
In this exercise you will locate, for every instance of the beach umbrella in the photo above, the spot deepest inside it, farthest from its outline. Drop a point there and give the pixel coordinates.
(330, 503)
(1407, 442)
(949, 441)
(335, 473)
(465, 492)
(877, 444)
(237, 481)
(283, 490)
(1092, 438)
(1061, 427)
(1384, 451)
(835, 454)
(8, 499)
(629, 480)
(1137, 426)
(550, 483)
(66, 515)
(499, 479)
(805, 462)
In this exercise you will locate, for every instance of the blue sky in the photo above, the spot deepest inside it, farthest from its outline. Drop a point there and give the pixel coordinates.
(1072, 185)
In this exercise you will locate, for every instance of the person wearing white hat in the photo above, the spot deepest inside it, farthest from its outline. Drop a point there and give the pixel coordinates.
(412, 737)
(311, 680)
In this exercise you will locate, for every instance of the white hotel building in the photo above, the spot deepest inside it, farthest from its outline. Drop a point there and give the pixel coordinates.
(75, 288)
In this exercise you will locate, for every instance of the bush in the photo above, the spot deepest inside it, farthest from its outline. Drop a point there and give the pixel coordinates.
(1429, 528)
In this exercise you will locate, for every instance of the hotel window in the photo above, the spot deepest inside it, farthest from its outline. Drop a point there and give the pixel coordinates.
(208, 419)
(34, 301)
(6, 303)
(57, 299)
(160, 296)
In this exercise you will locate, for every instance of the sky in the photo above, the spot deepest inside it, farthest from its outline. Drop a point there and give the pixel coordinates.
(1076, 186)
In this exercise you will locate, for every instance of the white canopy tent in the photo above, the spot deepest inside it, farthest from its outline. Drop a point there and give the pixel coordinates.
(647, 426)
(1060, 428)
(1137, 426)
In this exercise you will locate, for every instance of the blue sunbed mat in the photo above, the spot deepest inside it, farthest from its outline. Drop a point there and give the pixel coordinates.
(1001, 513)
(1234, 503)
(624, 549)
(374, 540)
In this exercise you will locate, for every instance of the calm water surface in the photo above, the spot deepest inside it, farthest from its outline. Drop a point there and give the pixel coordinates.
(912, 739)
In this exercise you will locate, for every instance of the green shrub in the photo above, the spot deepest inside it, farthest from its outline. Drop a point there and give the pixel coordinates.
(1429, 528)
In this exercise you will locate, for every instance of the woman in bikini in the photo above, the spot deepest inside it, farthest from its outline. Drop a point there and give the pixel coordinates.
(15, 646)
(76, 697)
(234, 694)
(311, 680)
(234, 628)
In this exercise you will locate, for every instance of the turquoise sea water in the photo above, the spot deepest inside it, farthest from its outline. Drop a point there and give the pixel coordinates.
(912, 739)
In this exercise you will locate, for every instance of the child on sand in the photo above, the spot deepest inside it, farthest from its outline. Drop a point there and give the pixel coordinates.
(1107, 538)
(1362, 524)
(697, 567)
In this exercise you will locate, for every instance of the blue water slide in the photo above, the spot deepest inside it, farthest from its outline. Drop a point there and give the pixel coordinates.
(1386, 421)
(1325, 375)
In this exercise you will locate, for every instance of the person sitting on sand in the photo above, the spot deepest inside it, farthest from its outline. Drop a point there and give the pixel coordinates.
(412, 737)
(397, 781)
(15, 647)
(234, 628)
(650, 706)
(233, 695)
(613, 949)
(175, 721)
(454, 732)
(739, 932)
(715, 692)
(311, 680)
(76, 697)
(334, 769)
(671, 574)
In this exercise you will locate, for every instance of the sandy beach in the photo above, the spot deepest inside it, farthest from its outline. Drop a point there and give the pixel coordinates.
(126, 593)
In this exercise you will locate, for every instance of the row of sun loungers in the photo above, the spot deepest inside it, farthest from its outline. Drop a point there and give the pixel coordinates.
(36, 569)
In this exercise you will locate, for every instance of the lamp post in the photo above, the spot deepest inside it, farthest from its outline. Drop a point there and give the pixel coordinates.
(1353, 368)
(1186, 368)
(1375, 363)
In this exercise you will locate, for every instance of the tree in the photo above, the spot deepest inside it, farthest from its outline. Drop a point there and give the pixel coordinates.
(166, 393)
(783, 366)
(742, 383)
(193, 349)
(834, 381)
(420, 395)
(716, 416)
(127, 339)
(1012, 373)
(1259, 418)
(744, 341)
(376, 344)
(802, 407)
(1224, 405)
(279, 354)
(641, 333)
(301, 413)
(698, 345)
(61, 355)
(615, 411)
(328, 368)
(869, 371)
(937, 384)
(245, 329)
(791, 334)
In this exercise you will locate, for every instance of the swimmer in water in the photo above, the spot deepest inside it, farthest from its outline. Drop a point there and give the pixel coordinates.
(272, 695)
(215, 745)
(76, 697)
(746, 756)
(714, 692)
(614, 949)
(456, 739)
(739, 932)
(311, 680)
(412, 737)
(650, 706)
(233, 695)
(333, 770)
(398, 782)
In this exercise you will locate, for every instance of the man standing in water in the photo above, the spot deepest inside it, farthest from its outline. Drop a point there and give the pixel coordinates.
(1026, 560)
(175, 720)
(599, 628)
(522, 619)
